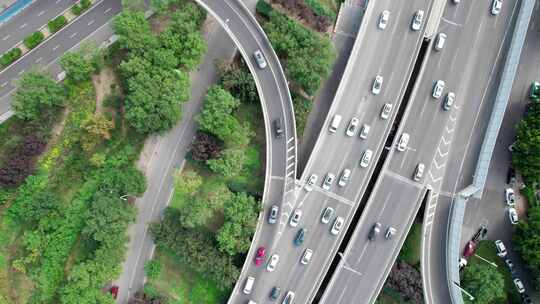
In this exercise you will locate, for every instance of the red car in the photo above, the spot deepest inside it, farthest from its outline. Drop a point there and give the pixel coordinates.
(469, 249)
(114, 292)
(259, 257)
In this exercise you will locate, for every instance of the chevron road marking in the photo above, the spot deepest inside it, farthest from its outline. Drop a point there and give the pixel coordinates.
(446, 143)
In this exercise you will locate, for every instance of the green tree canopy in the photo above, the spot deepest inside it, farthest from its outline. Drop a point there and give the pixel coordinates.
(36, 93)
(77, 67)
(484, 282)
(527, 239)
(134, 32)
(229, 164)
(526, 152)
(201, 207)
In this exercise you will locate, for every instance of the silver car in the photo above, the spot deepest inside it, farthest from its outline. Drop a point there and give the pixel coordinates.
(272, 263)
(419, 172)
(513, 216)
(449, 101)
(344, 178)
(438, 89)
(403, 142)
(377, 85)
(310, 182)
(273, 215)
(259, 58)
(386, 109)
(366, 158)
(328, 181)
(295, 218)
(364, 132)
(338, 224)
(326, 215)
(496, 7)
(383, 19)
(417, 20)
(353, 125)
(439, 42)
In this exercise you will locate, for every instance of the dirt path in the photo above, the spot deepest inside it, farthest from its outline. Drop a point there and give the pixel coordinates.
(102, 84)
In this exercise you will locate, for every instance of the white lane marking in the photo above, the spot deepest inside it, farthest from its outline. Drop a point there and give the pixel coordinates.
(41, 13)
(437, 166)
(20, 72)
(23, 25)
(56, 47)
(446, 143)
(290, 139)
(107, 10)
(38, 60)
(6, 37)
(91, 22)
(4, 84)
(73, 35)
(58, 1)
(440, 153)
(290, 149)
(451, 22)
(277, 177)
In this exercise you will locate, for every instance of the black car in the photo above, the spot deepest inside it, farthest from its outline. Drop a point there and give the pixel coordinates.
(300, 235)
(274, 293)
(374, 232)
(278, 128)
(480, 234)
(509, 264)
(525, 299)
(511, 176)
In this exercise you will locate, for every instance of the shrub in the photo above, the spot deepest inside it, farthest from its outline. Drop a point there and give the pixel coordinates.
(34, 39)
(57, 23)
(263, 8)
(205, 147)
(320, 9)
(10, 56)
(78, 9)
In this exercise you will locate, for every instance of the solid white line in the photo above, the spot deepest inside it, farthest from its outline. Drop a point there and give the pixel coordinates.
(91, 22)
(20, 72)
(107, 10)
(23, 25)
(6, 37)
(38, 60)
(41, 13)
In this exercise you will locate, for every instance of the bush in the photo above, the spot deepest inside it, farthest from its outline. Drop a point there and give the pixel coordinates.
(302, 108)
(78, 9)
(57, 23)
(303, 11)
(263, 8)
(20, 164)
(34, 39)
(320, 9)
(10, 56)
(205, 146)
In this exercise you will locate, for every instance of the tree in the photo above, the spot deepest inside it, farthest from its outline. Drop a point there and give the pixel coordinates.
(152, 269)
(229, 164)
(96, 127)
(20, 162)
(484, 282)
(216, 115)
(187, 182)
(204, 147)
(527, 239)
(239, 81)
(134, 5)
(526, 152)
(77, 67)
(240, 220)
(134, 32)
(200, 208)
(36, 94)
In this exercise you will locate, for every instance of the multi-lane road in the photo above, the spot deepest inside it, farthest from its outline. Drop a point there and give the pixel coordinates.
(438, 138)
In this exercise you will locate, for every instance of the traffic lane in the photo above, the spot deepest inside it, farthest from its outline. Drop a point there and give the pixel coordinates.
(289, 271)
(29, 21)
(63, 41)
(367, 257)
(434, 255)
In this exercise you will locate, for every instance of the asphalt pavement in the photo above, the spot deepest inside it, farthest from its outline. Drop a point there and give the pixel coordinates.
(466, 64)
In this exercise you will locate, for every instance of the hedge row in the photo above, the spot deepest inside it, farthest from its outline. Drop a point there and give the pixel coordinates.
(79, 8)
(34, 39)
(57, 23)
(10, 56)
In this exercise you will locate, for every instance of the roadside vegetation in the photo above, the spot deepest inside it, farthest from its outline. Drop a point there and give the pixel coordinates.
(295, 45)
(526, 160)
(67, 169)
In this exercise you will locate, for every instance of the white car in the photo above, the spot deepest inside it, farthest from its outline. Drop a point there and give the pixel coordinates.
(364, 132)
(439, 42)
(496, 7)
(449, 101)
(310, 182)
(272, 263)
(390, 232)
(328, 181)
(417, 20)
(438, 89)
(326, 215)
(338, 224)
(295, 218)
(259, 58)
(377, 85)
(366, 158)
(456, 1)
(501, 249)
(344, 178)
(419, 172)
(519, 285)
(513, 216)
(306, 257)
(386, 109)
(383, 19)
(510, 197)
(289, 298)
(353, 125)
(403, 142)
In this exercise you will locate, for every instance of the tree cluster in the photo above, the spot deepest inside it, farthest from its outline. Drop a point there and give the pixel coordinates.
(407, 280)
(306, 13)
(37, 94)
(155, 72)
(526, 152)
(485, 282)
(296, 46)
(240, 83)
(527, 240)
(20, 162)
(205, 146)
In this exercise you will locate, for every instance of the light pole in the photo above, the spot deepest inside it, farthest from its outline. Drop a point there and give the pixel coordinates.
(464, 291)
(486, 260)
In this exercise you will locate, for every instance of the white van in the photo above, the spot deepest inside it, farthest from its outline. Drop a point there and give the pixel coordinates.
(335, 123)
(249, 285)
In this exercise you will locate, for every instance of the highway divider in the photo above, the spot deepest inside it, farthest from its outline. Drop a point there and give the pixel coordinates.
(457, 210)
(45, 32)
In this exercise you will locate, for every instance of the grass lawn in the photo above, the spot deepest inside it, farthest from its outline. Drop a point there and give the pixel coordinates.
(410, 252)
(332, 4)
(184, 286)
(487, 250)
